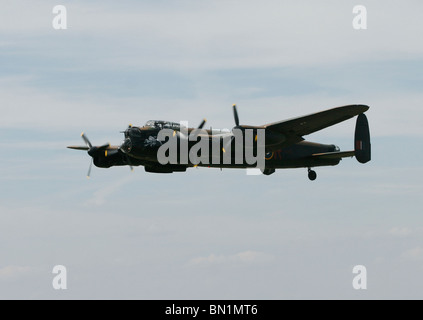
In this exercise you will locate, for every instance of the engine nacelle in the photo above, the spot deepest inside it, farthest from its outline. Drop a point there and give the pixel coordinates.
(268, 171)
(103, 161)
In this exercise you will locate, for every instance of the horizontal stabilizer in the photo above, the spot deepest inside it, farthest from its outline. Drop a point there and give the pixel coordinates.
(334, 155)
(317, 121)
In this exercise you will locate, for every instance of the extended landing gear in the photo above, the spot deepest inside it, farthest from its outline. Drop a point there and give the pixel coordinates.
(312, 175)
(268, 171)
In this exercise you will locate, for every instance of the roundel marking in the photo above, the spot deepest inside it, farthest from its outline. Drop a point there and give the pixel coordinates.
(269, 155)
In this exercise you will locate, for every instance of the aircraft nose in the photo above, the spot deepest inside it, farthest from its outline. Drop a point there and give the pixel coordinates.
(126, 145)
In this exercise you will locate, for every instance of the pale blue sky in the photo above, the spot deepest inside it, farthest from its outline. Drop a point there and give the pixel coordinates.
(206, 233)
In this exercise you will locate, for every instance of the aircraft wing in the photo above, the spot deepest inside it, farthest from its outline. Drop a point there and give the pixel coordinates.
(294, 129)
(87, 148)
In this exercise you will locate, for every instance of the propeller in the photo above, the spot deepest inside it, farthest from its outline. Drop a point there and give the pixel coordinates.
(129, 127)
(202, 124)
(89, 169)
(94, 151)
(86, 140)
(236, 115)
(237, 126)
(127, 144)
(129, 162)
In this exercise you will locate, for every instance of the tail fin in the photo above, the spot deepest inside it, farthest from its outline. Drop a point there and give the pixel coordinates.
(362, 144)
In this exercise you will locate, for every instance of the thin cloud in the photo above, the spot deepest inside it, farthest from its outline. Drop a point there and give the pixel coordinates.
(245, 257)
(400, 231)
(13, 272)
(101, 196)
(415, 254)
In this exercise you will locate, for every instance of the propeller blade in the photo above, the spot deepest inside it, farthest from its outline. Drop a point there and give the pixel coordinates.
(129, 162)
(226, 147)
(86, 140)
(78, 148)
(104, 146)
(202, 124)
(89, 169)
(236, 115)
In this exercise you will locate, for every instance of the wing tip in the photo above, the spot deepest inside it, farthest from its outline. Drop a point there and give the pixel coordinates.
(78, 148)
(363, 107)
(353, 109)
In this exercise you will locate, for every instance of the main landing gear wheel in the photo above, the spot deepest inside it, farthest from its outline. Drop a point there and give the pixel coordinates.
(312, 175)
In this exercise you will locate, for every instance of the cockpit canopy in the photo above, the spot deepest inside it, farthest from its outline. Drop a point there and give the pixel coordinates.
(159, 124)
